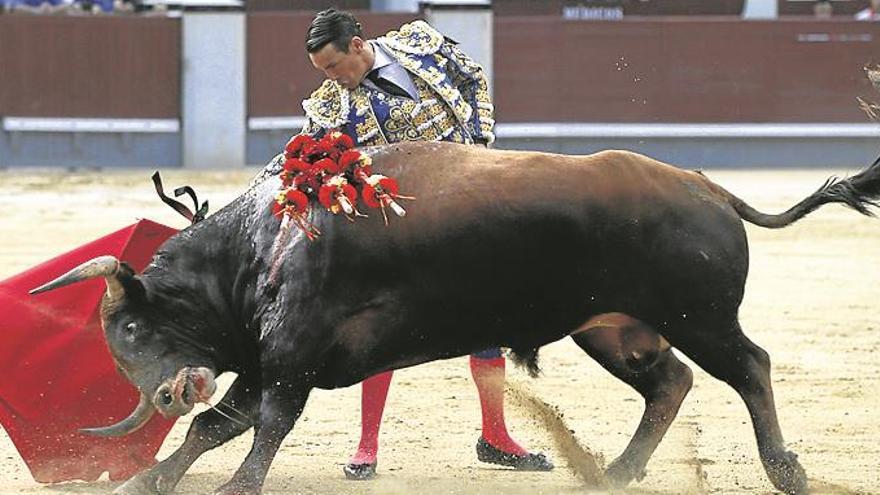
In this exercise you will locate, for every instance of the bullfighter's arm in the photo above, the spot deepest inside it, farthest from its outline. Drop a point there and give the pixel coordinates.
(469, 78)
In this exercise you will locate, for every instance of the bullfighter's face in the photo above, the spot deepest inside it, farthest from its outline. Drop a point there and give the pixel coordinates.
(348, 69)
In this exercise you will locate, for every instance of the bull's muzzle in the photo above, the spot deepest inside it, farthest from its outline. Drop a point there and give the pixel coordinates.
(179, 395)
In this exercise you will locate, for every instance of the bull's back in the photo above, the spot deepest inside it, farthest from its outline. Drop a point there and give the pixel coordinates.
(454, 179)
(541, 233)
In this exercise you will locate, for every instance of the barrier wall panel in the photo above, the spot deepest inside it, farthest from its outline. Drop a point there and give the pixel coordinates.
(280, 74)
(115, 67)
(677, 70)
(311, 6)
(728, 75)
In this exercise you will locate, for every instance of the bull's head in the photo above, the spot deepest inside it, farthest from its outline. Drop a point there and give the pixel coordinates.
(146, 345)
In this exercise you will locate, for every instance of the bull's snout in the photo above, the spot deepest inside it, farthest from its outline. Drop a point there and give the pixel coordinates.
(179, 395)
(167, 404)
(164, 398)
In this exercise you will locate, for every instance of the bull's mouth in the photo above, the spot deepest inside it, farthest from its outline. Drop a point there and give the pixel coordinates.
(190, 386)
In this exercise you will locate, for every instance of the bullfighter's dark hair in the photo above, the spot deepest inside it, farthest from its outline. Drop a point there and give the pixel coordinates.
(332, 26)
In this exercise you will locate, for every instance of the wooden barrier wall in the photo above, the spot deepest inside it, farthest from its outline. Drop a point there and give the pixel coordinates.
(280, 74)
(546, 69)
(114, 67)
(682, 70)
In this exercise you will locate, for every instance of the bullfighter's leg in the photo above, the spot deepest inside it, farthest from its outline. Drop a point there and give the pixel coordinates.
(636, 354)
(374, 392)
(281, 403)
(208, 430)
(736, 360)
(495, 445)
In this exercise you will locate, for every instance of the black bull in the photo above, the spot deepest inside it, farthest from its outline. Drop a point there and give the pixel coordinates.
(623, 253)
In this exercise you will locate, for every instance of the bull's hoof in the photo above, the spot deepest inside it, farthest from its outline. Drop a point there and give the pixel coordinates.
(528, 462)
(142, 484)
(620, 473)
(360, 472)
(787, 474)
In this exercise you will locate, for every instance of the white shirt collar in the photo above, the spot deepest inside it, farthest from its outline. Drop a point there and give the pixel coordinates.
(382, 58)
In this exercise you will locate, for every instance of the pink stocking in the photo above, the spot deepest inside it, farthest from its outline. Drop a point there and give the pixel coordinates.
(374, 391)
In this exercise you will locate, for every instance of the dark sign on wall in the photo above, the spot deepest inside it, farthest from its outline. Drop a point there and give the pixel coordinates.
(805, 7)
(598, 10)
(615, 9)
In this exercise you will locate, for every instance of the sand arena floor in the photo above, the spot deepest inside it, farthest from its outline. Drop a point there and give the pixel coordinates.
(810, 301)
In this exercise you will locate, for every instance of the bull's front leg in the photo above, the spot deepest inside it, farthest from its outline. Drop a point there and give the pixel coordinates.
(281, 404)
(238, 412)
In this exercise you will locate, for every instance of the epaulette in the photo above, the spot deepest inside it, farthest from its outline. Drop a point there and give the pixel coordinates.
(417, 38)
(328, 106)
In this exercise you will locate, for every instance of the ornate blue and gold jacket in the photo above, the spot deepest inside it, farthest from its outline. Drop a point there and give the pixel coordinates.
(453, 104)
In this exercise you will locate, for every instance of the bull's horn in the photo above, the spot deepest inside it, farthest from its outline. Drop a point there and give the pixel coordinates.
(138, 418)
(102, 266)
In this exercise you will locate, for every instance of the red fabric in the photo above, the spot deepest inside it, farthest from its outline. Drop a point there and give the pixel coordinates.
(56, 374)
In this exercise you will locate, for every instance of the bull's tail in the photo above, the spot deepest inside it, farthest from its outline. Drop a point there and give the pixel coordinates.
(526, 357)
(860, 192)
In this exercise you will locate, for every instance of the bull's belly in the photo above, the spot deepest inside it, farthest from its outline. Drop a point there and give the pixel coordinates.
(418, 330)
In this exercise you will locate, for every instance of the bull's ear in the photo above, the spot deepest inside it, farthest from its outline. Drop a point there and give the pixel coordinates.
(130, 282)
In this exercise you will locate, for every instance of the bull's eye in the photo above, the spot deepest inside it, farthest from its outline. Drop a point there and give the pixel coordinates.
(131, 327)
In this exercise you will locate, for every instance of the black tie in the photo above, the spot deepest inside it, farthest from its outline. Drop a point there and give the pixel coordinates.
(386, 85)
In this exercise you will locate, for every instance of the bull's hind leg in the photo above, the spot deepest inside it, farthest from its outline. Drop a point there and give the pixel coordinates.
(736, 360)
(636, 354)
(208, 430)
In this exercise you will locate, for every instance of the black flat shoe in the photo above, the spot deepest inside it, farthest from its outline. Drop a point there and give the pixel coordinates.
(360, 472)
(528, 462)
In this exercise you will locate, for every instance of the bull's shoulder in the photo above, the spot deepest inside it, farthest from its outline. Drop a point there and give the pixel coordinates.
(328, 106)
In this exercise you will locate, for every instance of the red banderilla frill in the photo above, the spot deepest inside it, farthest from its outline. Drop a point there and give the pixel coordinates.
(337, 174)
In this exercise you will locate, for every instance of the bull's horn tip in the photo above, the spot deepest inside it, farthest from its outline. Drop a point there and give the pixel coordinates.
(38, 290)
(98, 431)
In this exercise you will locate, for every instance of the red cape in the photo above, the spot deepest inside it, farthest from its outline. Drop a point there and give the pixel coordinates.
(56, 374)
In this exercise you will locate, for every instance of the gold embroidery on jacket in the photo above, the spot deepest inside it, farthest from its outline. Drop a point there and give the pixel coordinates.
(328, 106)
(430, 119)
(443, 112)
